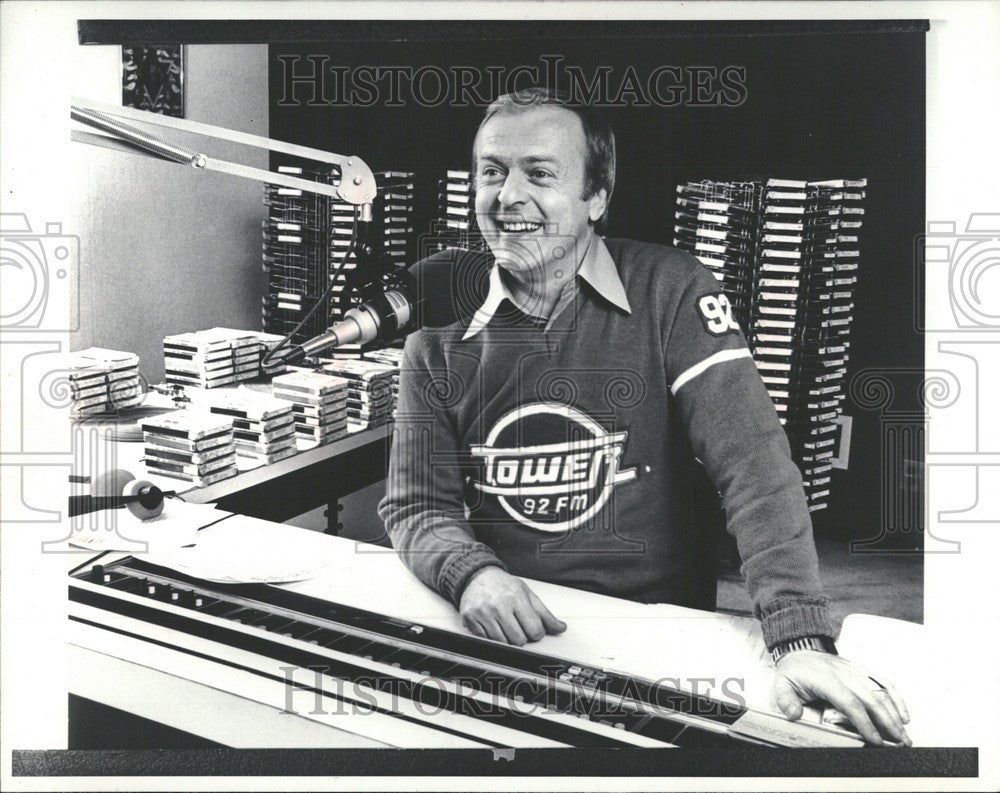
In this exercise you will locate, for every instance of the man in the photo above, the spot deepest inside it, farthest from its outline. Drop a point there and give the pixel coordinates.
(553, 433)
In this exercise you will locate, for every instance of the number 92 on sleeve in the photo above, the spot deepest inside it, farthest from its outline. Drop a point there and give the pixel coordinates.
(717, 314)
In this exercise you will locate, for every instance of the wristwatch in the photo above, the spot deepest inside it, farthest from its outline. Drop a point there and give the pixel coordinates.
(823, 644)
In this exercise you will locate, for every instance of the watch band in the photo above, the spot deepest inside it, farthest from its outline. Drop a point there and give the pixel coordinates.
(823, 644)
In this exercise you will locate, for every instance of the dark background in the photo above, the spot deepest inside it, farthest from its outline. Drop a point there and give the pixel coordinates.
(817, 107)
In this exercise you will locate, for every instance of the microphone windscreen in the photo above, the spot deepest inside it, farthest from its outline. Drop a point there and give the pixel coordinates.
(144, 505)
(111, 484)
(450, 285)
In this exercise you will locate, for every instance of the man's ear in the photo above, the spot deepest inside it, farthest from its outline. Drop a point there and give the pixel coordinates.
(598, 204)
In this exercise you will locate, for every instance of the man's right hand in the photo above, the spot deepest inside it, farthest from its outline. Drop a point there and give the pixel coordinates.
(499, 606)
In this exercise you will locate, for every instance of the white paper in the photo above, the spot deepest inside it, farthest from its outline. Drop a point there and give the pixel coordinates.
(246, 550)
(120, 530)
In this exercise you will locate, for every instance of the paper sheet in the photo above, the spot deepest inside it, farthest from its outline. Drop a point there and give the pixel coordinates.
(120, 530)
(948, 685)
(245, 550)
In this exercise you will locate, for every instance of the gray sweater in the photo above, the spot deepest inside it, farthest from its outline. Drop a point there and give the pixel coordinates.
(569, 453)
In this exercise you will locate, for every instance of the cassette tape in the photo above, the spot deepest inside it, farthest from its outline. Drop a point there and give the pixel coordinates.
(188, 457)
(273, 436)
(110, 360)
(188, 425)
(324, 420)
(724, 248)
(200, 481)
(359, 370)
(158, 465)
(269, 426)
(183, 444)
(92, 404)
(207, 342)
(269, 457)
(310, 384)
(325, 403)
(262, 447)
(260, 409)
(330, 406)
(321, 434)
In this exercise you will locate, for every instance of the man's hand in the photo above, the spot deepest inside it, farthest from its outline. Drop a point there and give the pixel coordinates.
(807, 675)
(500, 606)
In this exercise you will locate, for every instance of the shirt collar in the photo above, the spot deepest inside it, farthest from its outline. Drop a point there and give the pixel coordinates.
(597, 269)
(497, 293)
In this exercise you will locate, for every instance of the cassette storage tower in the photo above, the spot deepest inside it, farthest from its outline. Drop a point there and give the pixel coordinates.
(718, 222)
(306, 236)
(455, 225)
(787, 255)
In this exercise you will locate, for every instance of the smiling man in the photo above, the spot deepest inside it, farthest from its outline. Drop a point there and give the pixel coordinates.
(530, 199)
(555, 433)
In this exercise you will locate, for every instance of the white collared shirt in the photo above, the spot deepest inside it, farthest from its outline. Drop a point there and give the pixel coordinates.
(597, 268)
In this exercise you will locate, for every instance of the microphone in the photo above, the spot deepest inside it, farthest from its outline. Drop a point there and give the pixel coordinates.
(389, 307)
(434, 293)
(119, 488)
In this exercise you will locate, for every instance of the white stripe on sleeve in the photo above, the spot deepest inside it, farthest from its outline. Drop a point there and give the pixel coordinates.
(710, 361)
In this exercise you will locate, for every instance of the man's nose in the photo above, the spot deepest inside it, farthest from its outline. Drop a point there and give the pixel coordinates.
(514, 190)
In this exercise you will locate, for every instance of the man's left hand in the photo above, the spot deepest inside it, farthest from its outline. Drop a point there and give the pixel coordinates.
(873, 708)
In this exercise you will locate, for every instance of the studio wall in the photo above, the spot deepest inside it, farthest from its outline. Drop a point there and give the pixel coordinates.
(167, 249)
(814, 107)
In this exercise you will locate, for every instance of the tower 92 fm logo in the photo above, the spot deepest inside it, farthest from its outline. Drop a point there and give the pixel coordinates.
(551, 467)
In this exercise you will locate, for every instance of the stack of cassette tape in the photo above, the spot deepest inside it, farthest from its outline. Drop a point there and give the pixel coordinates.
(306, 239)
(265, 343)
(263, 425)
(455, 225)
(88, 383)
(393, 215)
(390, 230)
(389, 356)
(319, 404)
(370, 396)
(102, 380)
(787, 253)
(190, 445)
(268, 341)
(802, 311)
(390, 236)
(717, 222)
(296, 254)
(211, 358)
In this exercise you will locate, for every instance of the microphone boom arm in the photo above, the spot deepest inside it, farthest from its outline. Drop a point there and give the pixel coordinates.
(357, 182)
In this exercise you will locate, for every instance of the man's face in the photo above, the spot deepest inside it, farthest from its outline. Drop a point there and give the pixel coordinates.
(530, 176)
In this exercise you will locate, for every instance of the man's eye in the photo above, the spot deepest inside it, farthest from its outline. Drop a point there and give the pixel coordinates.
(538, 173)
(489, 171)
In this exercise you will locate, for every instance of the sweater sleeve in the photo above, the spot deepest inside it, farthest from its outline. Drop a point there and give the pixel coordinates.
(735, 433)
(423, 507)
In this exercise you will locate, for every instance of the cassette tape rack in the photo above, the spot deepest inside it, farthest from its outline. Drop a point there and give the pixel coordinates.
(455, 225)
(305, 236)
(787, 255)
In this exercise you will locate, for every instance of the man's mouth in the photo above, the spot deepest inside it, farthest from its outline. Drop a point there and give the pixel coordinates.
(517, 226)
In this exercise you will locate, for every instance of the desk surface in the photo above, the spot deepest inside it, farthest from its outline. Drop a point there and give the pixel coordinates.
(128, 455)
(251, 477)
(710, 652)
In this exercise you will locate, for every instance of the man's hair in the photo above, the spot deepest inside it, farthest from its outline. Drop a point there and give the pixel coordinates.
(599, 165)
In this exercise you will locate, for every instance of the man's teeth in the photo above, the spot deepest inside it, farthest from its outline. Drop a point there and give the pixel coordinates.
(508, 226)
